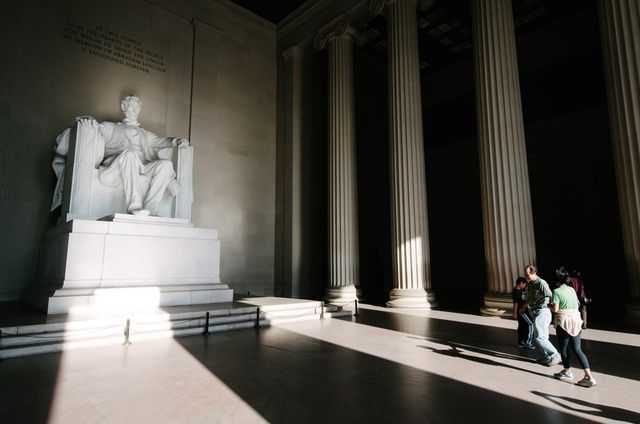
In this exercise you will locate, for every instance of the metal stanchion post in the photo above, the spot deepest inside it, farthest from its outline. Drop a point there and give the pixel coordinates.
(126, 332)
(258, 317)
(206, 325)
(321, 310)
(356, 309)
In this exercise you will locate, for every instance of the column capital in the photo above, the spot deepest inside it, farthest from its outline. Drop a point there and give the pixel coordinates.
(341, 26)
(376, 7)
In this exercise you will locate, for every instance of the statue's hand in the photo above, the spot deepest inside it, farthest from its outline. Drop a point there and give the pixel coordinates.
(181, 142)
(88, 121)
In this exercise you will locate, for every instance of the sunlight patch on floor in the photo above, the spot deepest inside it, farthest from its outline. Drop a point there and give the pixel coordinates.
(131, 390)
(508, 374)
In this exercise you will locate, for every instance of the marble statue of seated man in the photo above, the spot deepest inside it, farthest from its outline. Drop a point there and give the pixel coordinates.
(129, 152)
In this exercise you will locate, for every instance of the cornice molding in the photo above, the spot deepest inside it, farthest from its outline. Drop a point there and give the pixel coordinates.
(377, 7)
(302, 26)
(217, 14)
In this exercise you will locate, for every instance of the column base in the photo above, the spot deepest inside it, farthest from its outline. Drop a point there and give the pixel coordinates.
(497, 304)
(340, 296)
(408, 298)
(431, 298)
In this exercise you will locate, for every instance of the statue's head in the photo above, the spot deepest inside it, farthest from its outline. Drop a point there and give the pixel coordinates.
(131, 107)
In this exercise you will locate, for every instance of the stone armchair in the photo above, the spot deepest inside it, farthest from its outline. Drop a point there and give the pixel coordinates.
(80, 151)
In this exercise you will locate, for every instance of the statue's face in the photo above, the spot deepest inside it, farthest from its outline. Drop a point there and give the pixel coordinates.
(131, 110)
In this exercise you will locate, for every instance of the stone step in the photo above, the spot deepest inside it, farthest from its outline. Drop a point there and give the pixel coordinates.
(63, 333)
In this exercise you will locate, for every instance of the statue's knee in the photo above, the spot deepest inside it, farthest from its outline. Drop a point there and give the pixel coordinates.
(164, 167)
(128, 156)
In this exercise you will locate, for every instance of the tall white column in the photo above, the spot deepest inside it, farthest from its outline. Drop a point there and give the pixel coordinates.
(410, 242)
(343, 200)
(620, 31)
(509, 242)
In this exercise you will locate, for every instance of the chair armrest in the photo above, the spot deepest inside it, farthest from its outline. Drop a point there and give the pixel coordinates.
(87, 143)
(86, 152)
(184, 175)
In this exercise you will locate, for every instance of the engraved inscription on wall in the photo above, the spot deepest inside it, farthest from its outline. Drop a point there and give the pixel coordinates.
(114, 47)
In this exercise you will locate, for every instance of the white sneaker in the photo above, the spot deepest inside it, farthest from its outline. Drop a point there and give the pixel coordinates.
(587, 382)
(563, 375)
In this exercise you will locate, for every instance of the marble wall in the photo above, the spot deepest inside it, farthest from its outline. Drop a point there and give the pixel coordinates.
(69, 58)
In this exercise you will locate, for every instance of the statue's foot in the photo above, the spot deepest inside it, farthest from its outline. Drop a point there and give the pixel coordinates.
(141, 212)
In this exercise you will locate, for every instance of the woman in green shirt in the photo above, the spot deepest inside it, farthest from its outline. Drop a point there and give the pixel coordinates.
(568, 323)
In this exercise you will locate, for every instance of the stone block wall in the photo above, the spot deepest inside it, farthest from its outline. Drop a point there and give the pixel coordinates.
(205, 70)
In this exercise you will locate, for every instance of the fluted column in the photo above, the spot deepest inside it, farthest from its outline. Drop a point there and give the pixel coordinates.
(509, 242)
(620, 31)
(343, 201)
(410, 242)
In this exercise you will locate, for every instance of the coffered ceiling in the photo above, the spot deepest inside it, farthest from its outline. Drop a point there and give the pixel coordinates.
(444, 28)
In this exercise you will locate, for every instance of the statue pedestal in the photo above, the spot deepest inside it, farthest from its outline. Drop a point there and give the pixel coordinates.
(127, 261)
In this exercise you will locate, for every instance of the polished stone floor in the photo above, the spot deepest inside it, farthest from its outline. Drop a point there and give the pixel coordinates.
(382, 366)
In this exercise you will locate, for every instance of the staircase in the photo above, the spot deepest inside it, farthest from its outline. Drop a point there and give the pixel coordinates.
(63, 332)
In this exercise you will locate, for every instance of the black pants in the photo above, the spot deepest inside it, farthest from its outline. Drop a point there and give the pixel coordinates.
(565, 339)
(525, 329)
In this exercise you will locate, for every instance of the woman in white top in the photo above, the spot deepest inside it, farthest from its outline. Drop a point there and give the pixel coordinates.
(568, 323)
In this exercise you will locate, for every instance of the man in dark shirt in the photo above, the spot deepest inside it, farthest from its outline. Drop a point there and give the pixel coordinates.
(525, 324)
(538, 294)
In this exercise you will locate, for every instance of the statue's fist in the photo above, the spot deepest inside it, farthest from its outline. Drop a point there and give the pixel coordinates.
(182, 142)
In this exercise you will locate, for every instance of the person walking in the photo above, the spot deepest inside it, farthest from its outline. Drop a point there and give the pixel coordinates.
(568, 323)
(581, 290)
(538, 294)
(525, 323)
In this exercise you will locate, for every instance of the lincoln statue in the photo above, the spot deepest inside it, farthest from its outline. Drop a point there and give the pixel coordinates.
(130, 154)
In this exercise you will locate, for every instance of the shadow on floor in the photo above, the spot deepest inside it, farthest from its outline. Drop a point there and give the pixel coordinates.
(288, 377)
(600, 411)
(457, 351)
(604, 357)
(27, 388)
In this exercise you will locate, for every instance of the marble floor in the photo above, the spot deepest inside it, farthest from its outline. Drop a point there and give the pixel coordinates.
(382, 366)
